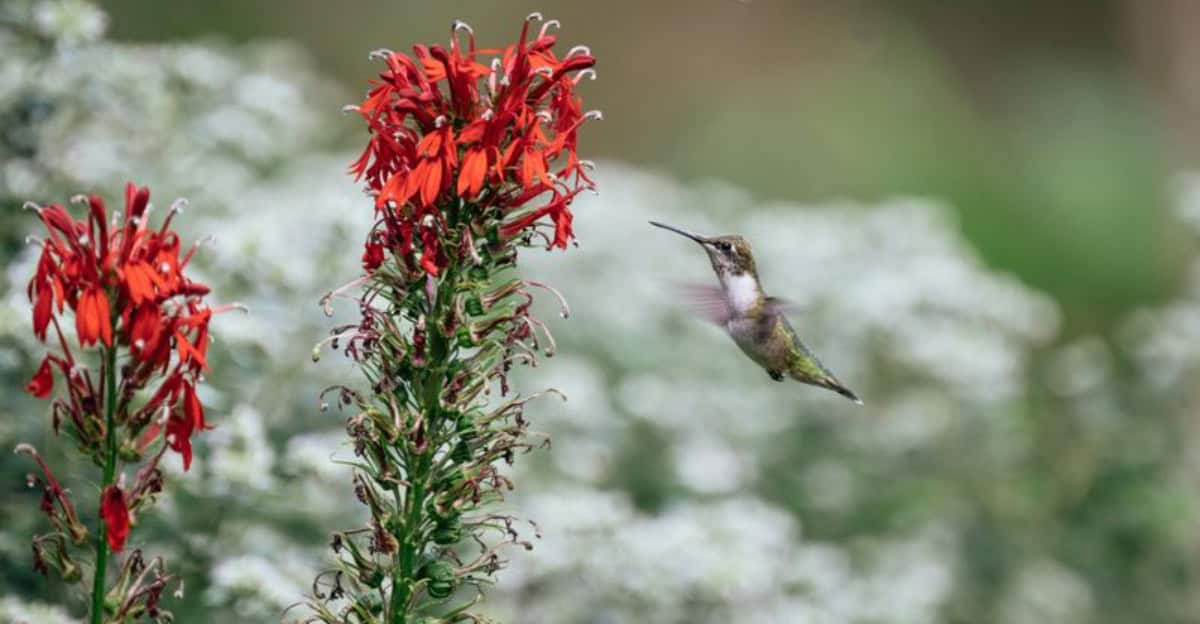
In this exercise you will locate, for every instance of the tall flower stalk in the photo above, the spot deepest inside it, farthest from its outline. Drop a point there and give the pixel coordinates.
(468, 161)
(129, 369)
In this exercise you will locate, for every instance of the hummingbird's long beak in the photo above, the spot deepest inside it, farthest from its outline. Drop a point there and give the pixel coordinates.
(698, 239)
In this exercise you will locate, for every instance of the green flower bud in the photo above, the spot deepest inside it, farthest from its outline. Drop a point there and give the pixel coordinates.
(129, 453)
(448, 533)
(464, 338)
(479, 273)
(441, 577)
(474, 306)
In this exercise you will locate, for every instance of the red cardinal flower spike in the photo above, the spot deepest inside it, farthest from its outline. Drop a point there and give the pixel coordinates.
(450, 128)
(130, 375)
(471, 157)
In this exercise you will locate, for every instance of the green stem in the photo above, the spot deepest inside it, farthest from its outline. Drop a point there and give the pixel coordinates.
(110, 469)
(405, 571)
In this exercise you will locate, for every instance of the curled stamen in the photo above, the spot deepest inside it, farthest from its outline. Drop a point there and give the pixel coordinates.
(594, 114)
(587, 164)
(79, 199)
(381, 53)
(579, 49)
(34, 241)
(562, 301)
(178, 206)
(589, 72)
(351, 108)
(458, 25)
(549, 71)
(326, 302)
(545, 116)
(240, 307)
(31, 206)
(440, 121)
(488, 115)
(547, 26)
(207, 240)
(534, 17)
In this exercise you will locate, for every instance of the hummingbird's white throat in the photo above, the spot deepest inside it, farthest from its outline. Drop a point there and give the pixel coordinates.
(743, 292)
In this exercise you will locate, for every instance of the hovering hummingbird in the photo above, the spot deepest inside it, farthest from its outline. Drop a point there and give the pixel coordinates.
(755, 321)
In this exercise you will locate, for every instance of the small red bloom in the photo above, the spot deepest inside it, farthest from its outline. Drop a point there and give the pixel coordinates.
(92, 319)
(115, 514)
(42, 382)
(42, 307)
(372, 256)
(179, 436)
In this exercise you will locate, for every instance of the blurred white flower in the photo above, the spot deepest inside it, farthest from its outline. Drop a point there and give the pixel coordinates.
(14, 610)
(1046, 592)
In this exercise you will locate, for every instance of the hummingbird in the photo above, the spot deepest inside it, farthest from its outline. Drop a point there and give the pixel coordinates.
(755, 321)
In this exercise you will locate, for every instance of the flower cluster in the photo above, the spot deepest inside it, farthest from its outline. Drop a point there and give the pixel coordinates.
(126, 279)
(124, 283)
(467, 163)
(491, 138)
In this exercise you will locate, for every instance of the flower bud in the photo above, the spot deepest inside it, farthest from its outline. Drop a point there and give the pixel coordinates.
(474, 306)
(448, 532)
(129, 452)
(441, 577)
(464, 338)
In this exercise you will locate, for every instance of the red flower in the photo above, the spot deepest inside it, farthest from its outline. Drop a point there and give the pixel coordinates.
(179, 436)
(92, 319)
(42, 382)
(115, 514)
(447, 127)
(126, 286)
(372, 256)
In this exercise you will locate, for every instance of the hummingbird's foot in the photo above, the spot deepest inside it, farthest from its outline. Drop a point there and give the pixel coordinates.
(776, 375)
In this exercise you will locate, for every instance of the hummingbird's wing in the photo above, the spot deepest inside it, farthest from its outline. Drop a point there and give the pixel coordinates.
(775, 305)
(707, 302)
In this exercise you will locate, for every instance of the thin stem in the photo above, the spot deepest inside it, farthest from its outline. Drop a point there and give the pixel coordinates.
(405, 571)
(110, 469)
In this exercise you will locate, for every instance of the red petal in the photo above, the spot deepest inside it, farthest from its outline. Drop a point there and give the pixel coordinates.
(42, 382)
(192, 408)
(86, 325)
(102, 310)
(43, 301)
(179, 436)
(116, 516)
(432, 184)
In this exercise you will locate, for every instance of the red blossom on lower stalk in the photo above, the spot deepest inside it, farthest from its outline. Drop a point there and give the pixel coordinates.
(129, 375)
(469, 160)
(115, 514)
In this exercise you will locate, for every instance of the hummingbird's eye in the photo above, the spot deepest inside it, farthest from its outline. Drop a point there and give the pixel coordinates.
(724, 246)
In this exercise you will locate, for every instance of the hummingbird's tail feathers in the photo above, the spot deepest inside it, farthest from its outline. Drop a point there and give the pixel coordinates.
(836, 386)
